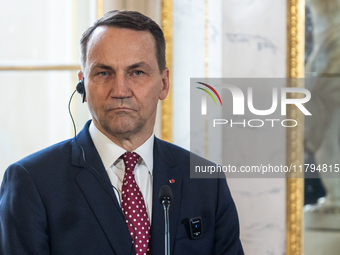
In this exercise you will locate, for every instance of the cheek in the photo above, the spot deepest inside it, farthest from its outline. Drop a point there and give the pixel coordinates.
(149, 99)
(150, 103)
(95, 104)
(95, 97)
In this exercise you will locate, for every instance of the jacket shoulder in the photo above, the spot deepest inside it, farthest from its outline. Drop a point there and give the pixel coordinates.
(172, 147)
(180, 155)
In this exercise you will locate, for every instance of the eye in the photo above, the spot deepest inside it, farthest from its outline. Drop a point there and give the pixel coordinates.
(104, 74)
(138, 72)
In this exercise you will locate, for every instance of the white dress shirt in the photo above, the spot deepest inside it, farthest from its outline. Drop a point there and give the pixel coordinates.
(110, 152)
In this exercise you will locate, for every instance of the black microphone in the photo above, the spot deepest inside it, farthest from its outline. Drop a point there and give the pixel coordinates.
(165, 198)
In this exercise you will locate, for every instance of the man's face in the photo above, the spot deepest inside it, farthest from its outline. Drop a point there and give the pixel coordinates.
(123, 81)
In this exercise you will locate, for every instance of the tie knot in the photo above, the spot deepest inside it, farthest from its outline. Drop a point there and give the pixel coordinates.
(130, 160)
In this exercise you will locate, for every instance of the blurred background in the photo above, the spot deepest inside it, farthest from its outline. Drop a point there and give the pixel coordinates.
(39, 60)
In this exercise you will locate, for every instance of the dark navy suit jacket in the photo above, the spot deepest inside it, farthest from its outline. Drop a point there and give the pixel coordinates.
(52, 202)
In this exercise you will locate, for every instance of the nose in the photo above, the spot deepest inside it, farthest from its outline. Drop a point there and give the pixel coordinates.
(120, 87)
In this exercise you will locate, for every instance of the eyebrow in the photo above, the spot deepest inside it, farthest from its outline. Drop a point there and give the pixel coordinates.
(102, 66)
(133, 66)
(139, 64)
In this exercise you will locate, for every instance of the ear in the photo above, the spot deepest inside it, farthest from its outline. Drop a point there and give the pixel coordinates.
(80, 75)
(165, 84)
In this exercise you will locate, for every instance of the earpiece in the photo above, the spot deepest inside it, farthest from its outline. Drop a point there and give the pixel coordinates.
(81, 88)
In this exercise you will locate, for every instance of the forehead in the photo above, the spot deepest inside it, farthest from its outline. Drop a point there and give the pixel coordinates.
(120, 43)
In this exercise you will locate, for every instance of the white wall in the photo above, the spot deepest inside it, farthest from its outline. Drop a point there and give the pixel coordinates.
(247, 39)
(33, 104)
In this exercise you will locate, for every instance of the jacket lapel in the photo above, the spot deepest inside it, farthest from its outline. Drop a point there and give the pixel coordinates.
(96, 187)
(165, 169)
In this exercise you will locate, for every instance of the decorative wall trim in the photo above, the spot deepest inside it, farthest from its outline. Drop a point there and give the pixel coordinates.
(100, 8)
(206, 38)
(206, 71)
(295, 148)
(166, 23)
(40, 67)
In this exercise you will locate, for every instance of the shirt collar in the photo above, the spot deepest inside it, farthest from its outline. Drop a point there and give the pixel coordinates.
(109, 152)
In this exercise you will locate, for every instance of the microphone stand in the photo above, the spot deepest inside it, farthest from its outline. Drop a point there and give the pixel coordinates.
(165, 197)
(166, 205)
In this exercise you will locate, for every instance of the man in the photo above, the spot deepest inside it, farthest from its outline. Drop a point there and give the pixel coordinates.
(74, 197)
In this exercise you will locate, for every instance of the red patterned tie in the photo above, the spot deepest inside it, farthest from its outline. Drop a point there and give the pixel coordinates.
(133, 206)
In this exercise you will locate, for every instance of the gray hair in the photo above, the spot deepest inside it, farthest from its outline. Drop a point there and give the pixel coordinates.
(130, 20)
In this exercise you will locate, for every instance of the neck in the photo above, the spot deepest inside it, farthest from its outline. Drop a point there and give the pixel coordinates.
(128, 141)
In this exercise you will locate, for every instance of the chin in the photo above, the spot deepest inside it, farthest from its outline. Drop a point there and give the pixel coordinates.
(121, 128)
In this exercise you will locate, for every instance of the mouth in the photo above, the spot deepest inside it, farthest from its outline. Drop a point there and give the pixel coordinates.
(121, 109)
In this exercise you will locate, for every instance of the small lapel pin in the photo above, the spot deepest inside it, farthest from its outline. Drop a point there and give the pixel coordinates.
(172, 181)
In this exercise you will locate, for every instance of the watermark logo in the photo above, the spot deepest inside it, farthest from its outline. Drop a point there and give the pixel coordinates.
(279, 99)
(204, 98)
